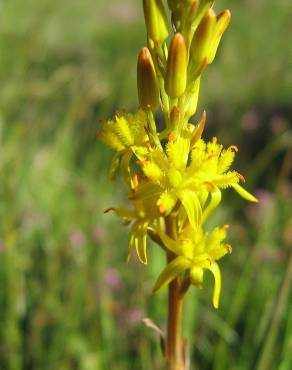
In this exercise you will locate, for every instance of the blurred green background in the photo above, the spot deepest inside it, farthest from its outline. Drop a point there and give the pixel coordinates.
(67, 299)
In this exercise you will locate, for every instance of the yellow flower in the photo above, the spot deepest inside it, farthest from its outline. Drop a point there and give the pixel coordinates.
(125, 134)
(195, 252)
(142, 217)
(191, 173)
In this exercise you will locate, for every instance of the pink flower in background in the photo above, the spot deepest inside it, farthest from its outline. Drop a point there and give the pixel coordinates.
(113, 279)
(77, 238)
(99, 234)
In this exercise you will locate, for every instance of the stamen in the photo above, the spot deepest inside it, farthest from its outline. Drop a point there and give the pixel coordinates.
(233, 148)
(241, 177)
(148, 145)
(135, 182)
(228, 248)
(171, 137)
(109, 210)
(185, 241)
(141, 162)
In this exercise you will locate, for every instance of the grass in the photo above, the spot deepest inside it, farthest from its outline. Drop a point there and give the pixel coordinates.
(67, 298)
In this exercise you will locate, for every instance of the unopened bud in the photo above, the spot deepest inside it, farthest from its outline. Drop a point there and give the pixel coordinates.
(203, 37)
(193, 102)
(192, 12)
(148, 91)
(223, 20)
(155, 19)
(176, 70)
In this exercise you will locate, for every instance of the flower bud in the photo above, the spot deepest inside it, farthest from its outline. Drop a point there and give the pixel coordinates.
(223, 20)
(148, 91)
(176, 70)
(203, 38)
(193, 102)
(193, 11)
(155, 19)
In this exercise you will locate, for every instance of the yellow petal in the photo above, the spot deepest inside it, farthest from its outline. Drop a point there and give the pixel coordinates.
(139, 240)
(123, 131)
(166, 202)
(152, 171)
(125, 167)
(214, 268)
(215, 200)
(192, 207)
(244, 194)
(141, 245)
(225, 160)
(171, 271)
(115, 162)
(169, 243)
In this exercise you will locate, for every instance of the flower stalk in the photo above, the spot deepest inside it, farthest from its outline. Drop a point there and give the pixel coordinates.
(174, 348)
(173, 176)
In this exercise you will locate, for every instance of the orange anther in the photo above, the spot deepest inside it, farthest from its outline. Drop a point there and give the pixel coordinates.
(241, 177)
(148, 145)
(109, 210)
(233, 148)
(226, 226)
(135, 182)
(214, 140)
(228, 248)
(141, 162)
(171, 137)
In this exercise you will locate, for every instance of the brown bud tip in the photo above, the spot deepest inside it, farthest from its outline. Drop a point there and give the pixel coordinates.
(148, 91)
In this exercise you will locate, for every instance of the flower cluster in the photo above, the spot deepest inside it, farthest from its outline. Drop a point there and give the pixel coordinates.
(174, 177)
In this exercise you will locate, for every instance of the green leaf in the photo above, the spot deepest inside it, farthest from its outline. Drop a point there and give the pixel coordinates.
(171, 271)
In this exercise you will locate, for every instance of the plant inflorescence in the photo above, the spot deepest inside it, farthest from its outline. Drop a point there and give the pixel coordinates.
(173, 176)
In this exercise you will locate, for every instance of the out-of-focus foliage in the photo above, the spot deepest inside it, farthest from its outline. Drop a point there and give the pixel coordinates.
(67, 298)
